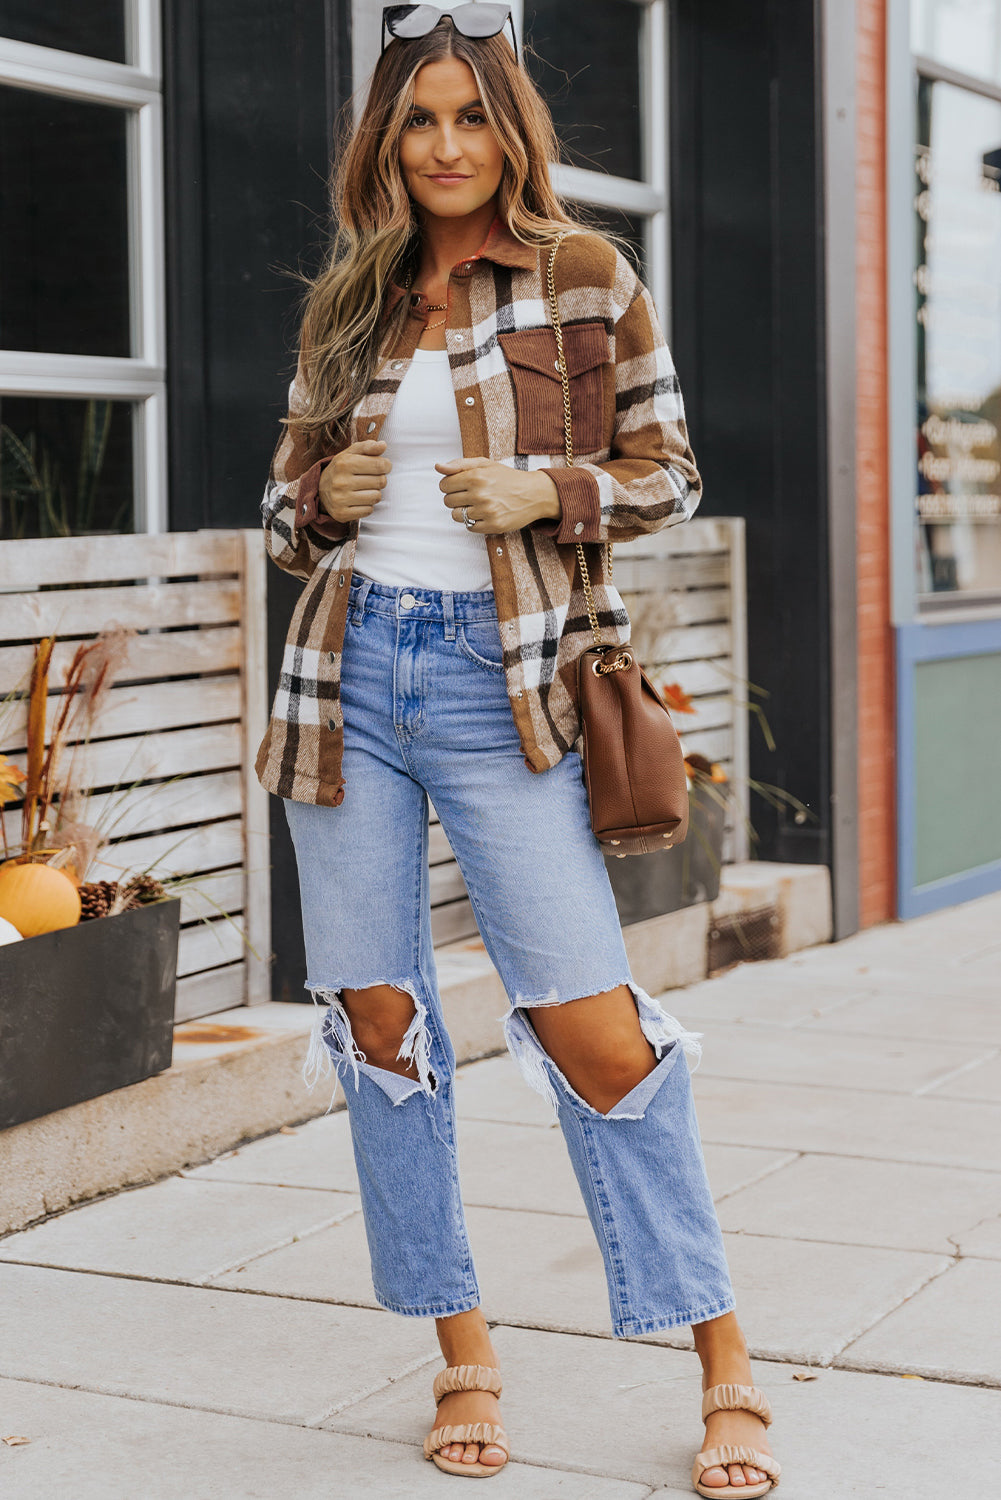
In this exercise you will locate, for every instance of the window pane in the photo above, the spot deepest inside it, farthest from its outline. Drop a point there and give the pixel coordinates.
(97, 28)
(958, 282)
(963, 34)
(590, 78)
(64, 254)
(65, 467)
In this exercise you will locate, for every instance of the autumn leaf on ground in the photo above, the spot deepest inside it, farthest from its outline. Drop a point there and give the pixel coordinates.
(14, 1442)
(803, 1375)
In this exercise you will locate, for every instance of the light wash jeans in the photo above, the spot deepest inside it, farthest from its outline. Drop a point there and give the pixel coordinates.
(426, 714)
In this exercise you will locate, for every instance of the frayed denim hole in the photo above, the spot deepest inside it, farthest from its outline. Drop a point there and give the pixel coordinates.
(665, 1034)
(533, 1061)
(324, 1055)
(661, 1029)
(332, 1044)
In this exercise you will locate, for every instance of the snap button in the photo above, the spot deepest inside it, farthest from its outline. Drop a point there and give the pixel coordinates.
(331, 724)
(578, 528)
(458, 337)
(340, 585)
(371, 427)
(470, 400)
(332, 655)
(519, 694)
(407, 601)
(397, 364)
(500, 551)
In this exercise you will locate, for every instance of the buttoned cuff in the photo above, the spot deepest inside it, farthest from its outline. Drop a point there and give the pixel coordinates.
(307, 507)
(580, 507)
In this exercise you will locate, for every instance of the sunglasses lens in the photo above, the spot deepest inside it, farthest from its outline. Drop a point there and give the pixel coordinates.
(408, 21)
(480, 20)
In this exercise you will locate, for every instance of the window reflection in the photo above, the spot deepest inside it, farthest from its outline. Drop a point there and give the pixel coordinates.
(97, 28)
(590, 73)
(958, 286)
(65, 467)
(64, 272)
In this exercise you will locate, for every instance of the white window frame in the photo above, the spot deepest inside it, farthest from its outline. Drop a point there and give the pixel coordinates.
(648, 198)
(135, 87)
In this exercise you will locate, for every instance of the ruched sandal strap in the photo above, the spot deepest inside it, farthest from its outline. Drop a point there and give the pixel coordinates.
(735, 1453)
(466, 1378)
(736, 1398)
(487, 1434)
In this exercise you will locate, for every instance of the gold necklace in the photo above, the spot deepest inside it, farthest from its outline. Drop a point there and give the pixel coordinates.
(431, 307)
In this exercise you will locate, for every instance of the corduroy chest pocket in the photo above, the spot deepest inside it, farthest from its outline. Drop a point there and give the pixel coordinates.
(538, 389)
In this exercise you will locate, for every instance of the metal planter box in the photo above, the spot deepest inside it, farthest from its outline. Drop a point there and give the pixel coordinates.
(86, 1010)
(649, 885)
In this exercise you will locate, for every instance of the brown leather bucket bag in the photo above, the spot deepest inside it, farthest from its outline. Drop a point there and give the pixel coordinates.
(634, 766)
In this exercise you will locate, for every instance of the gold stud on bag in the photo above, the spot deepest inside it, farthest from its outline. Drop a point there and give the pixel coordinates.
(634, 767)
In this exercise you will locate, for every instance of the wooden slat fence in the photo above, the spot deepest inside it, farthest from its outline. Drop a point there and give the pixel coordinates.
(190, 702)
(686, 593)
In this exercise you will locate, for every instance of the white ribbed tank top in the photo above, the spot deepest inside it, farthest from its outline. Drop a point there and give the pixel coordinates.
(410, 539)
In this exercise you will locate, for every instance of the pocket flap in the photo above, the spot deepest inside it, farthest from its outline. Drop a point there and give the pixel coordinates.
(584, 346)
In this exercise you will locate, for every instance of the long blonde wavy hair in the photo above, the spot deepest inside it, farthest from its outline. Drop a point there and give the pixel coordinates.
(377, 234)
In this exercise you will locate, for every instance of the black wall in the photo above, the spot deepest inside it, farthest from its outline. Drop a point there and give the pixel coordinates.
(748, 343)
(251, 92)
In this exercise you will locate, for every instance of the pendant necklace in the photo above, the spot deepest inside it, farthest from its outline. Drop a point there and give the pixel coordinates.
(431, 307)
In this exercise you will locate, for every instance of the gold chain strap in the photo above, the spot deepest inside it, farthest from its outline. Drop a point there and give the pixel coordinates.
(585, 575)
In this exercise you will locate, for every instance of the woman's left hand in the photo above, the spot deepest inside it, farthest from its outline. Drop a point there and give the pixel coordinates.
(497, 497)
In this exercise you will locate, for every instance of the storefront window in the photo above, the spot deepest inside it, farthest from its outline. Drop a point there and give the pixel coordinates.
(961, 34)
(958, 284)
(64, 272)
(65, 467)
(97, 28)
(590, 80)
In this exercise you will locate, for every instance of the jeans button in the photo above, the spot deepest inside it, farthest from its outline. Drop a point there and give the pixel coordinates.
(407, 601)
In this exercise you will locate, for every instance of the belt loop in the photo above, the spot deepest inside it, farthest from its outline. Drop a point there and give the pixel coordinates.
(358, 607)
(448, 610)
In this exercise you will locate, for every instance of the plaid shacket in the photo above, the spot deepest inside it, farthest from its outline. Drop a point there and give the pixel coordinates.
(633, 472)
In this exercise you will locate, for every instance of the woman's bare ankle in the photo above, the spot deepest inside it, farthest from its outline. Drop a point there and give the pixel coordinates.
(465, 1339)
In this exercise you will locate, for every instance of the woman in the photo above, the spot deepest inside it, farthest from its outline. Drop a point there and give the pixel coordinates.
(421, 491)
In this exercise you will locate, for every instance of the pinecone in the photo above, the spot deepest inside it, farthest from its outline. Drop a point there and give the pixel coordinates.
(96, 898)
(140, 890)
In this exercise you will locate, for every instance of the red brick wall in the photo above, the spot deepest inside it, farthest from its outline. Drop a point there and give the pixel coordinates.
(876, 694)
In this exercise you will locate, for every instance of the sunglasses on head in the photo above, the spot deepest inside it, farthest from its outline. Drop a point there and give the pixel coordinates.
(409, 21)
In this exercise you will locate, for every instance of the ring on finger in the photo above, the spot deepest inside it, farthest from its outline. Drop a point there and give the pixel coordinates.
(467, 519)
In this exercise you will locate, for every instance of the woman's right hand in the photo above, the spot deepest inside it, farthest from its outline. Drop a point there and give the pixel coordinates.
(351, 484)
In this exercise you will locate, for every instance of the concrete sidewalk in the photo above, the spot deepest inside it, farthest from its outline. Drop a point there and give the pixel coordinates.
(214, 1336)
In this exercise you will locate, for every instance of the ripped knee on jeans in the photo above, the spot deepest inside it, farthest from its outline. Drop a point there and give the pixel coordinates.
(666, 1035)
(332, 1046)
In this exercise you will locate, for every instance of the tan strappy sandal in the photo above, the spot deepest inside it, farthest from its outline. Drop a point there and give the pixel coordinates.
(734, 1398)
(487, 1434)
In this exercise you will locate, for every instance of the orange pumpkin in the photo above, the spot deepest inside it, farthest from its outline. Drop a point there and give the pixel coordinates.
(37, 899)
